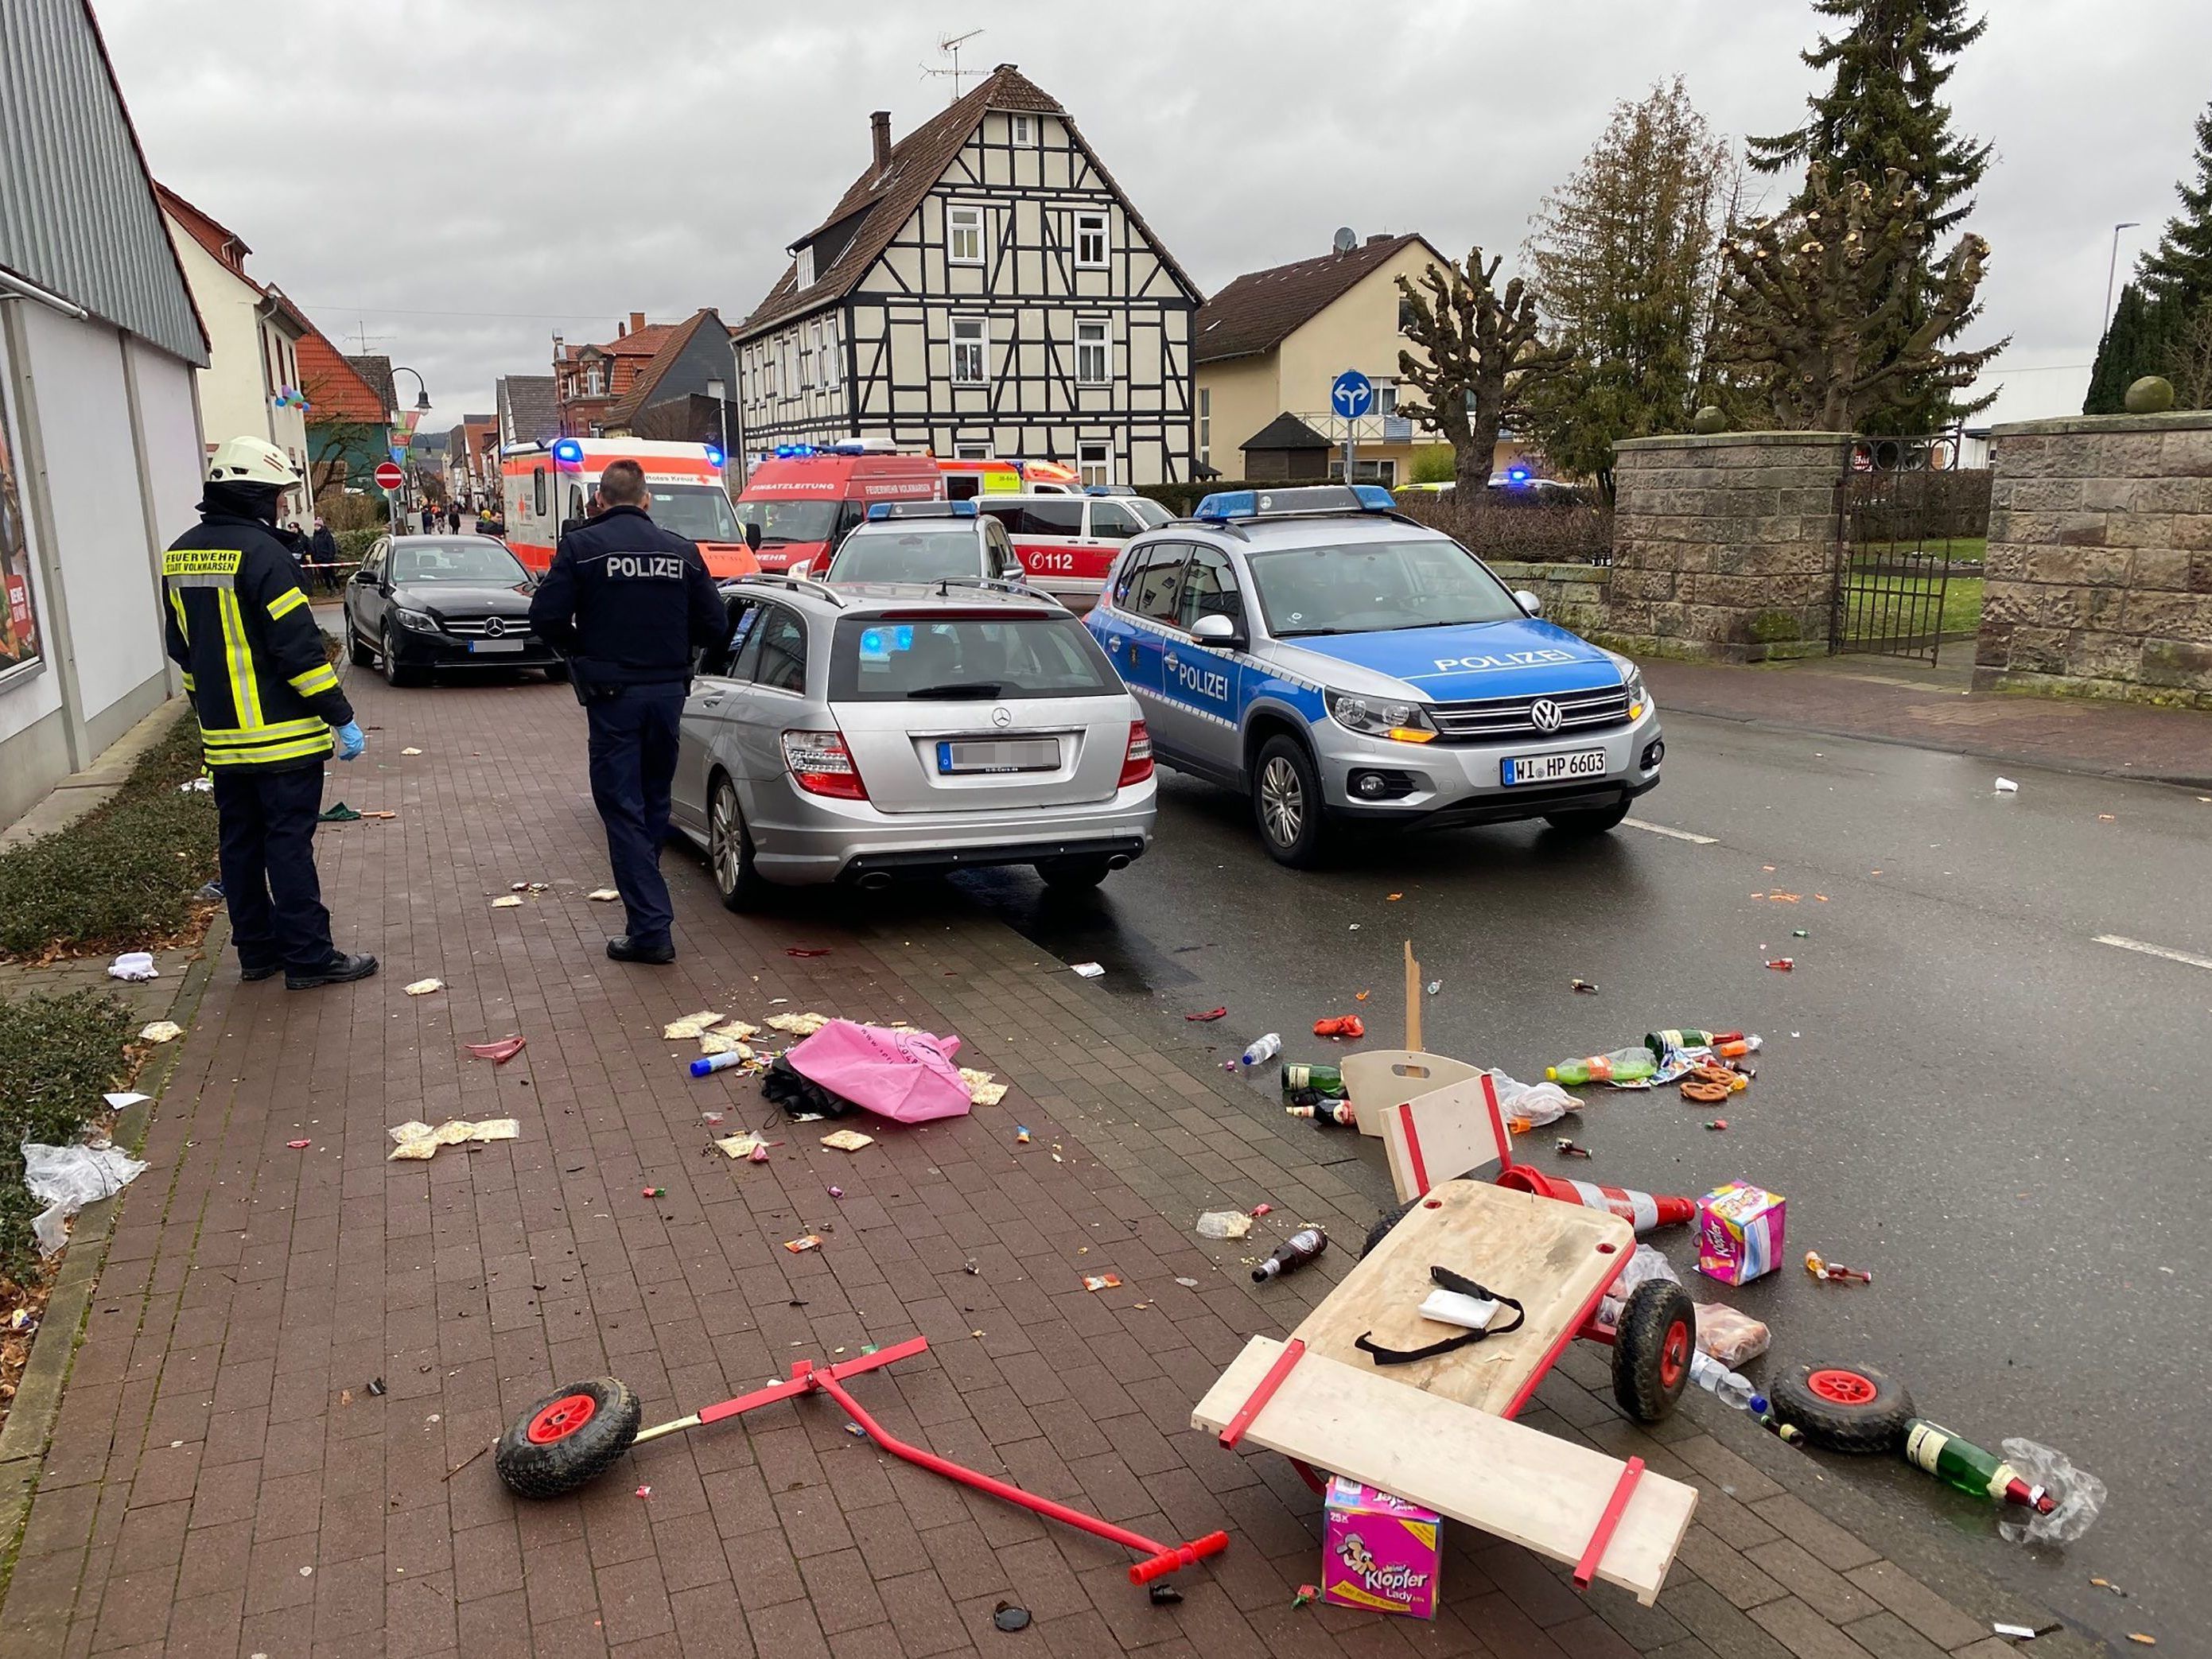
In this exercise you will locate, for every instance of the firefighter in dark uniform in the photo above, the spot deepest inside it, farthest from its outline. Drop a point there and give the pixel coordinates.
(627, 603)
(267, 699)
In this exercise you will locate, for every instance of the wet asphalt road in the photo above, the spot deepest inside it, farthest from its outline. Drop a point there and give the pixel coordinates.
(1962, 1090)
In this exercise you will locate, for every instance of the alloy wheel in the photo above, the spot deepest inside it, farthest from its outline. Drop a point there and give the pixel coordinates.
(725, 839)
(1282, 801)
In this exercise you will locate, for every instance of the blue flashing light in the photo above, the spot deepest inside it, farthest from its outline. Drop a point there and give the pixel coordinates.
(1374, 498)
(879, 512)
(713, 456)
(937, 509)
(1226, 504)
(567, 451)
(1098, 489)
(963, 509)
(1517, 475)
(794, 452)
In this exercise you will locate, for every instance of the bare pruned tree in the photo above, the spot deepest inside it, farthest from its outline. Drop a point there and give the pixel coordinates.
(1479, 349)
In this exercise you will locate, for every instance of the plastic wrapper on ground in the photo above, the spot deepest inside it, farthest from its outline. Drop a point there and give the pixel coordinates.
(2080, 1495)
(1537, 1103)
(1731, 1335)
(1646, 1263)
(1223, 1223)
(69, 1177)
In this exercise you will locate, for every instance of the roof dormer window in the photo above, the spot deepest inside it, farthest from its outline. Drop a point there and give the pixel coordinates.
(804, 265)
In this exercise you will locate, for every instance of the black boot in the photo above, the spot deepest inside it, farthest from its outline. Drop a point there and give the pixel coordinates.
(625, 949)
(340, 969)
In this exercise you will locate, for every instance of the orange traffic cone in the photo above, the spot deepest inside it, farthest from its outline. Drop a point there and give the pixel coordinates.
(1640, 1210)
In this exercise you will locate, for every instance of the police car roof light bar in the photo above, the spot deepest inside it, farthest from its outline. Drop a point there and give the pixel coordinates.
(1226, 505)
(937, 509)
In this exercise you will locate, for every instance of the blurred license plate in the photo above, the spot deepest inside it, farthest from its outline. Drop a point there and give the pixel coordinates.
(496, 644)
(999, 754)
(1555, 768)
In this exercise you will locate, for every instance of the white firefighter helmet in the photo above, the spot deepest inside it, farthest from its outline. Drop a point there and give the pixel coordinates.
(252, 460)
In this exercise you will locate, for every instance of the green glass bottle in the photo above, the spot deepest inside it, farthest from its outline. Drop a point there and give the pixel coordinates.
(1963, 1464)
(1321, 1079)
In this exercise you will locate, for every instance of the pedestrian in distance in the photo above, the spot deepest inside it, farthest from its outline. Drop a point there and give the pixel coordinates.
(453, 518)
(627, 603)
(322, 558)
(267, 701)
(429, 517)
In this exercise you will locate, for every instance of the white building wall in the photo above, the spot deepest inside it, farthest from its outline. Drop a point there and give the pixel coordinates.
(170, 441)
(97, 514)
(246, 353)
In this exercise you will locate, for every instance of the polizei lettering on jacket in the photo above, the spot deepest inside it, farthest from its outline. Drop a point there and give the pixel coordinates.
(1508, 660)
(650, 566)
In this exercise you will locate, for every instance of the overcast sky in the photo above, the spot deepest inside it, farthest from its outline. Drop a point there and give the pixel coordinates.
(465, 177)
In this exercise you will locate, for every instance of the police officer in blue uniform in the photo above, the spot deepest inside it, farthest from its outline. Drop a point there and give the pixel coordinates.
(627, 603)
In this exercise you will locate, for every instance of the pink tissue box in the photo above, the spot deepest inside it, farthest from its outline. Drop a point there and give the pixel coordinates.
(1739, 1232)
(1379, 1552)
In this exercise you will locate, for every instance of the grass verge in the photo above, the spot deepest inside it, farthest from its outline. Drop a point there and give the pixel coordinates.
(59, 1056)
(122, 877)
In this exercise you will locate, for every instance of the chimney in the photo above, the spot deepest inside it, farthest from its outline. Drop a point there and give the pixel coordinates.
(622, 329)
(1384, 236)
(879, 135)
(637, 322)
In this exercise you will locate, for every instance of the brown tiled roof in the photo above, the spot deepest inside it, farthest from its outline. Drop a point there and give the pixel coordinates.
(673, 344)
(528, 403)
(225, 246)
(335, 389)
(1261, 309)
(375, 367)
(917, 162)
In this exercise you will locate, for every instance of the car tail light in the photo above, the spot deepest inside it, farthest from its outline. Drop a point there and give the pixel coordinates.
(1136, 759)
(822, 765)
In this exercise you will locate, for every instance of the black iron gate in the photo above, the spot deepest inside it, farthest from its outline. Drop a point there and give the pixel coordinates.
(1911, 526)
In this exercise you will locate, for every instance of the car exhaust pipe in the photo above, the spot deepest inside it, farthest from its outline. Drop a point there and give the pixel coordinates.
(875, 881)
(1118, 861)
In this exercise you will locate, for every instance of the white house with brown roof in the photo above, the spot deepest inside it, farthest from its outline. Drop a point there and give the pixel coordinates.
(1269, 346)
(252, 385)
(983, 289)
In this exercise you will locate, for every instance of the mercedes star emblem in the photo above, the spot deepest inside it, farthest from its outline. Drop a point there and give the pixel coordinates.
(1002, 717)
(1544, 715)
(494, 626)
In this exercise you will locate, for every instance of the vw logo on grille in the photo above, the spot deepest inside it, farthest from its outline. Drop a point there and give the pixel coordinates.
(494, 626)
(1002, 717)
(1544, 715)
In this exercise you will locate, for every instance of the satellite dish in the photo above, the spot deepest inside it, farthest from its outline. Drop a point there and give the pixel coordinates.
(1345, 238)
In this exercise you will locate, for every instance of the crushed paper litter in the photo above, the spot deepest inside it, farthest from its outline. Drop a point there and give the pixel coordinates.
(416, 1140)
(714, 1042)
(983, 1089)
(423, 988)
(797, 1024)
(848, 1141)
(506, 901)
(410, 751)
(602, 895)
(741, 1147)
(691, 1026)
(161, 1031)
(735, 1028)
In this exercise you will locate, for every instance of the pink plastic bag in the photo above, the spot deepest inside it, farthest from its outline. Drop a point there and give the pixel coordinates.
(907, 1076)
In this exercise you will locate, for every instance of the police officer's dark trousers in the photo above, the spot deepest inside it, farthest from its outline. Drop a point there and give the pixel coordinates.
(633, 763)
(267, 853)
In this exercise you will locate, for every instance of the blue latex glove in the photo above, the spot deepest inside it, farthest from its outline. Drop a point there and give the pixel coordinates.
(351, 742)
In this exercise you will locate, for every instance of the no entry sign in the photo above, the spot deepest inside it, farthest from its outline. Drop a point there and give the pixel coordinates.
(389, 477)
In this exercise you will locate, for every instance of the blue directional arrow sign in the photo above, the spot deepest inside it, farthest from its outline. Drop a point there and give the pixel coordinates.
(1351, 394)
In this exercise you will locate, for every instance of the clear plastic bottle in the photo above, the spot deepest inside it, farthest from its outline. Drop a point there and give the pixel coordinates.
(1262, 1051)
(1731, 1389)
(1622, 1066)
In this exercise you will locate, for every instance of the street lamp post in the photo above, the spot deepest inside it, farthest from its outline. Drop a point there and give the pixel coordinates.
(2112, 269)
(421, 404)
(738, 378)
(720, 393)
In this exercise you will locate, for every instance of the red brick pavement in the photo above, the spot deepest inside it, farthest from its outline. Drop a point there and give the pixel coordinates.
(220, 1482)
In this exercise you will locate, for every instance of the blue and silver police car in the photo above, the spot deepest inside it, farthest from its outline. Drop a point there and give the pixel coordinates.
(1342, 665)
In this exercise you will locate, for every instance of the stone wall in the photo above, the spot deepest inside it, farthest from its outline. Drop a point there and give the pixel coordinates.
(1573, 594)
(1724, 546)
(2099, 565)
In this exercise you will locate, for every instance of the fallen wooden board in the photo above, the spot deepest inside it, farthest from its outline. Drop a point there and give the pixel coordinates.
(1438, 1136)
(1544, 1494)
(1377, 1079)
(1549, 1256)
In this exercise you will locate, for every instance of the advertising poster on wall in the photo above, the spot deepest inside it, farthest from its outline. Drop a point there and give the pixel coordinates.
(21, 647)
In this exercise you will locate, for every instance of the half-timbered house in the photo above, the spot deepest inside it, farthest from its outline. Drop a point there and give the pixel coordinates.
(983, 289)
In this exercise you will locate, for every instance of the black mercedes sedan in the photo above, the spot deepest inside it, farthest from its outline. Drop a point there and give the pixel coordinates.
(422, 603)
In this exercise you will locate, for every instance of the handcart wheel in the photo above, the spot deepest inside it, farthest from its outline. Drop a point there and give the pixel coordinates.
(567, 1438)
(1652, 1349)
(1843, 1408)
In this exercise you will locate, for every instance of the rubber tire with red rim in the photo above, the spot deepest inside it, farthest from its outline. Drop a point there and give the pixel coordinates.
(547, 1469)
(1874, 1424)
(1659, 1312)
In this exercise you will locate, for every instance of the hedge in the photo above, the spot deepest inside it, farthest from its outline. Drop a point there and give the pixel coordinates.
(57, 1056)
(122, 877)
(353, 544)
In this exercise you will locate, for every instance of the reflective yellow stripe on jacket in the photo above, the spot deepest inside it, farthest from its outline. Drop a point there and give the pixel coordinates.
(321, 678)
(238, 656)
(286, 603)
(286, 740)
